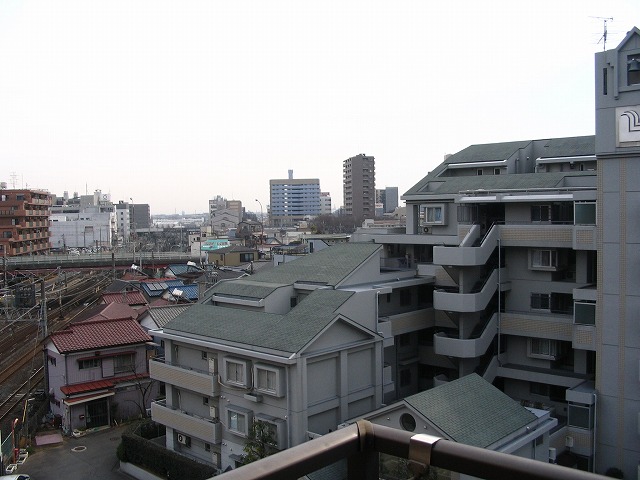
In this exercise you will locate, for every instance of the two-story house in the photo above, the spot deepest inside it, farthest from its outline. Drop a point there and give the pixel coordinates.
(97, 372)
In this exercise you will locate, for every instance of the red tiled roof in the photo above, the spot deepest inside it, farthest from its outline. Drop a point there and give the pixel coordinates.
(104, 384)
(90, 335)
(128, 298)
(112, 311)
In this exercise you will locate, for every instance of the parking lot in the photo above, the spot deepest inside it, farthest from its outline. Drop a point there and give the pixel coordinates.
(92, 457)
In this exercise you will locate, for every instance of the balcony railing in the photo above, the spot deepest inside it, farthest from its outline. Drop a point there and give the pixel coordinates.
(361, 443)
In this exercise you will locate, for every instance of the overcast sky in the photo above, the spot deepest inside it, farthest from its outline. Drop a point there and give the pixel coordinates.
(174, 102)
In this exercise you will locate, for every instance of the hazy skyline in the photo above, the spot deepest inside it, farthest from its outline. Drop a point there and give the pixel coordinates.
(173, 103)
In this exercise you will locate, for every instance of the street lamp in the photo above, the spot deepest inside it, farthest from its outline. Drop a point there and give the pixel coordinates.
(261, 221)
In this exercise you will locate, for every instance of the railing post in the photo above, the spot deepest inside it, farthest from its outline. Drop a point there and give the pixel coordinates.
(364, 465)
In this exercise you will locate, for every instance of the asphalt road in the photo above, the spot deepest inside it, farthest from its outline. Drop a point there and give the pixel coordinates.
(68, 460)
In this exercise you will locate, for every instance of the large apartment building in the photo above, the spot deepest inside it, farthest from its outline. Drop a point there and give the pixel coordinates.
(24, 222)
(298, 347)
(293, 200)
(359, 186)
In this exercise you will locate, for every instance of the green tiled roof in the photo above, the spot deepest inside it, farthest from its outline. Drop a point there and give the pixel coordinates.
(521, 181)
(546, 148)
(329, 266)
(287, 333)
(247, 288)
(471, 411)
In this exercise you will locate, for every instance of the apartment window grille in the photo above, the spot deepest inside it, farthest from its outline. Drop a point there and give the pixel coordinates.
(543, 348)
(124, 363)
(269, 379)
(540, 301)
(540, 213)
(235, 371)
(544, 258)
(89, 363)
(239, 420)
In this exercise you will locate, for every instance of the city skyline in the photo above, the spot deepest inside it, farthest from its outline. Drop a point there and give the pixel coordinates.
(172, 104)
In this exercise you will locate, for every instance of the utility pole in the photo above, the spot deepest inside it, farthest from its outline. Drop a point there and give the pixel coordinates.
(43, 309)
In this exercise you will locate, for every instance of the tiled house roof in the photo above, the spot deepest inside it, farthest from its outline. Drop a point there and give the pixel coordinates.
(128, 298)
(287, 333)
(471, 411)
(108, 311)
(329, 266)
(92, 335)
(162, 315)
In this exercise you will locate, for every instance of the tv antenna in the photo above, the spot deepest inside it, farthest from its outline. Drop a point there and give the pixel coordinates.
(603, 38)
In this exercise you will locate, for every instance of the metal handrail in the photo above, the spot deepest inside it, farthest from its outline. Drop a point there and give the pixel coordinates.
(360, 444)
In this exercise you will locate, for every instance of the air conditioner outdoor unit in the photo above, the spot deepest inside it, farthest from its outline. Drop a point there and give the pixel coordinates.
(425, 229)
(568, 441)
(182, 439)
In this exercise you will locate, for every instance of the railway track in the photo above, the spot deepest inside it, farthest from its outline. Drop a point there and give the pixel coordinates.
(22, 371)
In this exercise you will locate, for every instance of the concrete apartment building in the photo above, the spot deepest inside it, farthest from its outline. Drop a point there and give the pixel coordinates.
(293, 200)
(359, 186)
(388, 197)
(24, 222)
(325, 203)
(299, 346)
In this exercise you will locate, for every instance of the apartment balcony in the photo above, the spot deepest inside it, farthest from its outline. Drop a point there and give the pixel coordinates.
(540, 325)
(469, 347)
(180, 376)
(468, 255)
(405, 322)
(451, 301)
(205, 429)
(359, 445)
(552, 376)
(537, 235)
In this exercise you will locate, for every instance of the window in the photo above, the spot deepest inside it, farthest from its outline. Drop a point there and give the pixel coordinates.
(496, 171)
(633, 69)
(405, 297)
(579, 416)
(584, 313)
(479, 171)
(207, 447)
(238, 420)
(405, 377)
(543, 348)
(124, 363)
(269, 379)
(52, 361)
(433, 214)
(540, 301)
(544, 258)
(584, 213)
(204, 355)
(88, 363)
(276, 428)
(540, 213)
(407, 422)
(205, 400)
(404, 340)
(246, 257)
(235, 371)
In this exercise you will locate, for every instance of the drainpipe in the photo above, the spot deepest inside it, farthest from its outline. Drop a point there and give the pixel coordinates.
(595, 410)
(288, 373)
(499, 297)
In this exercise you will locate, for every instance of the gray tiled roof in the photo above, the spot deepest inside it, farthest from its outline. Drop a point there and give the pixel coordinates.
(329, 266)
(521, 181)
(471, 411)
(287, 333)
(162, 315)
(245, 288)
(553, 147)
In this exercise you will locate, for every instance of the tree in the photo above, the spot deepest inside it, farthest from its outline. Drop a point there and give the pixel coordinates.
(261, 442)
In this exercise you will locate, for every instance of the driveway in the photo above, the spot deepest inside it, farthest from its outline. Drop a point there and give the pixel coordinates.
(96, 461)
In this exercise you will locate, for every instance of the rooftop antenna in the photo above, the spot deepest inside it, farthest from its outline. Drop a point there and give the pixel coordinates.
(603, 38)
